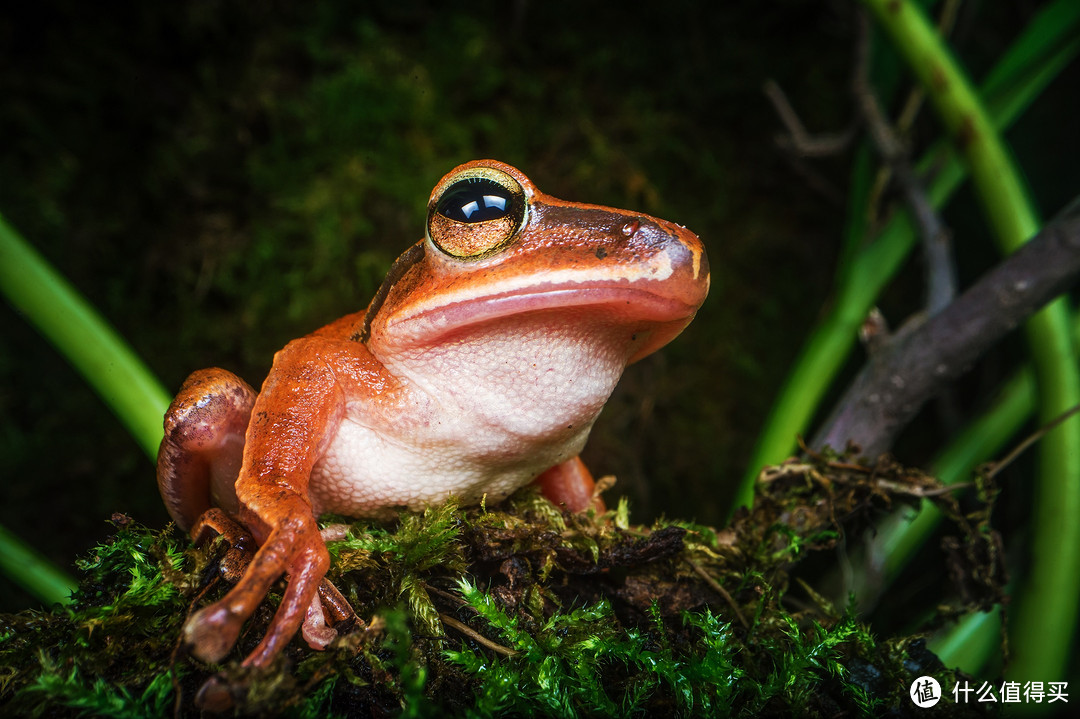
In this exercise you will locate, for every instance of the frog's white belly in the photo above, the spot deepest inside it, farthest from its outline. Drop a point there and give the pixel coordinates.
(365, 473)
(471, 418)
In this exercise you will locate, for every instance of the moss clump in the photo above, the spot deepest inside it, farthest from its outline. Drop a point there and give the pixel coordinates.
(517, 610)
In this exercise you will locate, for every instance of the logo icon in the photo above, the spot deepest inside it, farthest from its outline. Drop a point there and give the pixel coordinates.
(925, 692)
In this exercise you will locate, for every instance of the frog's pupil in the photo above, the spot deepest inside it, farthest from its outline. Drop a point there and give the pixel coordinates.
(477, 200)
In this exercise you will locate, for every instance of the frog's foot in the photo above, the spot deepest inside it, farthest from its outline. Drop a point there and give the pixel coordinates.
(570, 484)
(295, 549)
(329, 609)
(316, 630)
(212, 631)
(331, 602)
(215, 522)
(215, 696)
(218, 695)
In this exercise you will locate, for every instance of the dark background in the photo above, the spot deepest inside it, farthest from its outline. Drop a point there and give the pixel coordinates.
(220, 177)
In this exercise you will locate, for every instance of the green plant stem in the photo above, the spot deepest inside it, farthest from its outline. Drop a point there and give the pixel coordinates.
(897, 539)
(60, 313)
(33, 572)
(967, 644)
(1017, 79)
(961, 111)
(1045, 618)
(971, 641)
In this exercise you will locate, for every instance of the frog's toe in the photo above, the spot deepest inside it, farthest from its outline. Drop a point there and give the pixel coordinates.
(215, 696)
(316, 630)
(211, 632)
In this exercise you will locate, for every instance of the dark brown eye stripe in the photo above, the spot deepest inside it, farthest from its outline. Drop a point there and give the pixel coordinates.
(397, 270)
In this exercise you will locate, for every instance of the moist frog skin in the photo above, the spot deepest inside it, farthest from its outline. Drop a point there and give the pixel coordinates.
(480, 366)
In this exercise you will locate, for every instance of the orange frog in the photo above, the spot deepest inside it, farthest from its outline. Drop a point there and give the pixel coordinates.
(479, 366)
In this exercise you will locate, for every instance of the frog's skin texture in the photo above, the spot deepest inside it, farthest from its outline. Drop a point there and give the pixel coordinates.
(480, 365)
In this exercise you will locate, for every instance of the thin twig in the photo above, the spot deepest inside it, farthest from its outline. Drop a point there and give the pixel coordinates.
(448, 596)
(798, 138)
(916, 491)
(800, 144)
(899, 379)
(476, 636)
(716, 587)
(937, 243)
(915, 98)
(994, 468)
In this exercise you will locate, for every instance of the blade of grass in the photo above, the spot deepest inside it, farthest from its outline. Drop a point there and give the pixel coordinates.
(107, 362)
(33, 572)
(1046, 46)
(1045, 618)
(971, 641)
(75, 328)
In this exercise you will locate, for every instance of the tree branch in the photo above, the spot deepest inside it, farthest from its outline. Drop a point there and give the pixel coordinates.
(899, 378)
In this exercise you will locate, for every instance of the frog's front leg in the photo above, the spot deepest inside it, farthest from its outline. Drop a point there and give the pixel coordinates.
(295, 415)
(318, 630)
(295, 549)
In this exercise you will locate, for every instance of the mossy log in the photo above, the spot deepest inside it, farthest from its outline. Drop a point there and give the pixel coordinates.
(515, 610)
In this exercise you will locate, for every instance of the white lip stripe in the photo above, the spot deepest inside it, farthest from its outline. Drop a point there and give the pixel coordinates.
(659, 268)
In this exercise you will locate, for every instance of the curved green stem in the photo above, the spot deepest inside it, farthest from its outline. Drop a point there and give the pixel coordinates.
(1045, 618)
(107, 362)
(67, 320)
(1045, 47)
(974, 638)
(33, 572)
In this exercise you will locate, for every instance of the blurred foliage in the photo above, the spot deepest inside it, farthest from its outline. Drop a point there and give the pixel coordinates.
(219, 177)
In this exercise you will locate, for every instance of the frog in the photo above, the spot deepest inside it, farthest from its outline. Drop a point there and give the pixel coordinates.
(479, 366)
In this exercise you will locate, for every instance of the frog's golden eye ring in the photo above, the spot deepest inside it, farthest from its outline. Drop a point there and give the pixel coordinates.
(476, 212)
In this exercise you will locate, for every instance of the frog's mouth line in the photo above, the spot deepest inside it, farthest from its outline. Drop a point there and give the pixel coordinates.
(620, 301)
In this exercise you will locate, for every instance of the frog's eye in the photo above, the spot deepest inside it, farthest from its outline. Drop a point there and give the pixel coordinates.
(477, 212)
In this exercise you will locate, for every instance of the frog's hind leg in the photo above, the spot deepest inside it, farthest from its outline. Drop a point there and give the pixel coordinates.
(201, 452)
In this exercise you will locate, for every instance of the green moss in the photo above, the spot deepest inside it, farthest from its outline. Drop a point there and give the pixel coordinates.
(585, 663)
(518, 610)
(97, 697)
